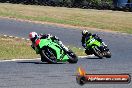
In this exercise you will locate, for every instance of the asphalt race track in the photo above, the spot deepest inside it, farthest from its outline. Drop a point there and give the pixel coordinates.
(34, 74)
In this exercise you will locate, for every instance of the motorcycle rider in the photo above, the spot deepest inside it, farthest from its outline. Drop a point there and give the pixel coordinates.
(33, 36)
(86, 35)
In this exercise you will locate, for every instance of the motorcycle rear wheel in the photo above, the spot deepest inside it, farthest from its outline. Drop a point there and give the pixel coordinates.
(97, 52)
(48, 54)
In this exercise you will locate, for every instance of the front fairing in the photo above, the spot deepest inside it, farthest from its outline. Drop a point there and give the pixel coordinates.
(92, 42)
(61, 55)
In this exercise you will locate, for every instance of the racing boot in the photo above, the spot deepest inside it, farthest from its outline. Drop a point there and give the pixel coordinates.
(63, 46)
(60, 43)
(104, 44)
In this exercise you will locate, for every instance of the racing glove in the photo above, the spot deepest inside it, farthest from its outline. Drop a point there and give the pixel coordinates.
(55, 38)
(49, 35)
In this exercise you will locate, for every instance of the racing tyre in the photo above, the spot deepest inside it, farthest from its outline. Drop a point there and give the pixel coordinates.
(97, 52)
(88, 52)
(108, 54)
(48, 55)
(72, 57)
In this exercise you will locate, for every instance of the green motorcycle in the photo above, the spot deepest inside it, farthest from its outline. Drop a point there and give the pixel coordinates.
(51, 52)
(95, 47)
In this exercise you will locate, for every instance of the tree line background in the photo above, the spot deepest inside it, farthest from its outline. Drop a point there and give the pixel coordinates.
(92, 4)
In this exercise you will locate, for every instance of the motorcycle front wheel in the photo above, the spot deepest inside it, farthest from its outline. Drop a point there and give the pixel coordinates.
(108, 54)
(72, 57)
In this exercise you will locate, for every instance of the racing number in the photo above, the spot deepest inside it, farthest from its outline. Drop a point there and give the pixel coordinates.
(92, 40)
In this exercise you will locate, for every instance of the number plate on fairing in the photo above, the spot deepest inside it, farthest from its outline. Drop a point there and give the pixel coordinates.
(91, 40)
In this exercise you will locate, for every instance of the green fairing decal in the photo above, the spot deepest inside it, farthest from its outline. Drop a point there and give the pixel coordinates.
(92, 41)
(59, 52)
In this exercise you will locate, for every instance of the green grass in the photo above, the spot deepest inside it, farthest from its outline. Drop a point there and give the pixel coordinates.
(78, 51)
(100, 19)
(16, 48)
(13, 48)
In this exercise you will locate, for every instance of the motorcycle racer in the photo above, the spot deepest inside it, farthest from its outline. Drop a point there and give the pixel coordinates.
(33, 36)
(86, 35)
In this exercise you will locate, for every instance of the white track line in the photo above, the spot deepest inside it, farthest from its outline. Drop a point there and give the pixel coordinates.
(86, 56)
(19, 60)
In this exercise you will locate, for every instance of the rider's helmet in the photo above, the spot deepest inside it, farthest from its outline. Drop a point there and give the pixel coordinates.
(33, 36)
(84, 32)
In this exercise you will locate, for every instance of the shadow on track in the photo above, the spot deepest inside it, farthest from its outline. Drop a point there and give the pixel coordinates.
(33, 62)
(92, 58)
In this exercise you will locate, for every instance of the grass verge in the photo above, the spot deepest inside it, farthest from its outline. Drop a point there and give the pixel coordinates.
(16, 48)
(101, 19)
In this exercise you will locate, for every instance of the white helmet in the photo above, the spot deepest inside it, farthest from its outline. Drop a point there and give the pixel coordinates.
(84, 32)
(33, 36)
